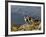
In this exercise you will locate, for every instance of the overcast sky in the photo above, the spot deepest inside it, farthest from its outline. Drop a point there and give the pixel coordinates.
(18, 13)
(26, 10)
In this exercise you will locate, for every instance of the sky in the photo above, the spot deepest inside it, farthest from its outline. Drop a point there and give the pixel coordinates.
(18, 12)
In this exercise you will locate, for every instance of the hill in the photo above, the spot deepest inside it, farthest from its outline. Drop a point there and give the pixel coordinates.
(26, 27)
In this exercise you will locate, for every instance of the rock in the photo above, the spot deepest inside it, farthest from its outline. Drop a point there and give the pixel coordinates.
(36, 25)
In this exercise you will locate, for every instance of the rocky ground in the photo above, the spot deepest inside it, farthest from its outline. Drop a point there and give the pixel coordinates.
(26, 27)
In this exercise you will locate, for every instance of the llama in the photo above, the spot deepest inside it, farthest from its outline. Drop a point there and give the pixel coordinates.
(28, 19)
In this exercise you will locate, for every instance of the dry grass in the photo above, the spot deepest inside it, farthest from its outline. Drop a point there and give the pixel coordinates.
(26, 27)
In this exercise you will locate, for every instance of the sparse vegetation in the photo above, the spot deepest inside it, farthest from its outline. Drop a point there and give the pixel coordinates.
(26, 27)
